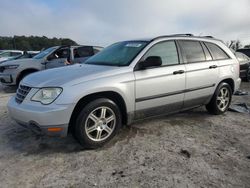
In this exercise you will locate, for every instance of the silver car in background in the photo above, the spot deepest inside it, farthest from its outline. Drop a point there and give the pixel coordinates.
(8, 54)
(126, 82)
(12, 72)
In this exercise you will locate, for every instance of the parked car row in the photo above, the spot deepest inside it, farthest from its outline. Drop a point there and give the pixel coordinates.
(25, 55)
(8, 54)
(125, 82)
(12, 72)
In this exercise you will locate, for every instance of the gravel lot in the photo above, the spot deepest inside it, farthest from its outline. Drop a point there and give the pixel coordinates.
(189, 149)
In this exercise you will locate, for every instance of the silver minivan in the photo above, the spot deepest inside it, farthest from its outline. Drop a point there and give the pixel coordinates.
(126, 82)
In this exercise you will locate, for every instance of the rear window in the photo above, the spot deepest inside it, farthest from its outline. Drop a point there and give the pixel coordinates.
(84, 51)
(192, 51)
(97, 49)
(217, 52)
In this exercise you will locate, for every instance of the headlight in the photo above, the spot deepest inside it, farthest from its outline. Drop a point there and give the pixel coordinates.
(11, 66)
(46, 95)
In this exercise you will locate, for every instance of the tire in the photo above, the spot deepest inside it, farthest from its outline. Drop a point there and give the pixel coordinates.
(97, 123)
(22, 77)
(221, 99)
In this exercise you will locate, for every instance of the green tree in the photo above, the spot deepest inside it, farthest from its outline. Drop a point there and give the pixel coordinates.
(32, 42)
(235, 44)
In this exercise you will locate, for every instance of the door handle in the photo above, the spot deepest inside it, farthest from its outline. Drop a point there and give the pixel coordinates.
(213, 67)
(178, 72)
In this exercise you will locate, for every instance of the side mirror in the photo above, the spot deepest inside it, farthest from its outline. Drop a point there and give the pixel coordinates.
(151, 61)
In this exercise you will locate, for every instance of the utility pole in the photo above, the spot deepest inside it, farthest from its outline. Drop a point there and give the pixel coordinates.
(14, 43)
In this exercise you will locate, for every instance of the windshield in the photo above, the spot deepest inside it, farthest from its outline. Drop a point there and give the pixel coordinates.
(5, 54)
(118, 54)
(42, 54)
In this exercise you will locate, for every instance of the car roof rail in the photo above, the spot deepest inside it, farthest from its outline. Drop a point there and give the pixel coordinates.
(174, 35)
(208, 36)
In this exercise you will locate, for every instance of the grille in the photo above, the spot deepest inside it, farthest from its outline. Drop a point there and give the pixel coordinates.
(21, 93)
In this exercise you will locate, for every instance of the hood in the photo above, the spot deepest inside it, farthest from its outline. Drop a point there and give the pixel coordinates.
(72, 74)
(20, 61)
(2, 59)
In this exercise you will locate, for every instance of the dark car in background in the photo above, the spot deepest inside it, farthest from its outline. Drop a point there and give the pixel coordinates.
(245, 51)
(244, 61)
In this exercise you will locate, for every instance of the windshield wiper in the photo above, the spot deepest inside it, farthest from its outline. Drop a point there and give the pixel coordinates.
(104, 63)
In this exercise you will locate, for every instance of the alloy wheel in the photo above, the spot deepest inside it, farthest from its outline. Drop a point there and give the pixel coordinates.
(223, 99)
(100, 123)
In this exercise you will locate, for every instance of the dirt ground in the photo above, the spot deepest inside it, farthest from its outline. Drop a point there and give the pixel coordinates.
(189, 149)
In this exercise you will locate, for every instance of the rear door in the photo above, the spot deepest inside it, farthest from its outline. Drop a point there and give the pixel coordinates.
(201, 72)
(159, 90)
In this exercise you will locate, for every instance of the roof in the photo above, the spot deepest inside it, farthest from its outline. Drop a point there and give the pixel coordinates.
(188, 35)
(11, 51)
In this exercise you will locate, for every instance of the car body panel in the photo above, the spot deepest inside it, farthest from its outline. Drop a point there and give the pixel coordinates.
(159, 87)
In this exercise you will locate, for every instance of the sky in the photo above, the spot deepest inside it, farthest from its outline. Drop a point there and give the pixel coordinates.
(103, 22)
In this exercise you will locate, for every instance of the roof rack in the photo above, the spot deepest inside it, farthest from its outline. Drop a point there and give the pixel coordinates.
(208, 36)
(174, 35)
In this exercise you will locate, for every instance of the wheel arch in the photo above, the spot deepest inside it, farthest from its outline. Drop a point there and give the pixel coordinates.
(23, 72)
(112, 95)
(230, 82)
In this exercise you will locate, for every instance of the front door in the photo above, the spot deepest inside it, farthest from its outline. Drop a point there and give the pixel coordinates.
(58, 58)
(160, 90)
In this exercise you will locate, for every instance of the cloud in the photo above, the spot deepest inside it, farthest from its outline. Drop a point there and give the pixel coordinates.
(104, 22)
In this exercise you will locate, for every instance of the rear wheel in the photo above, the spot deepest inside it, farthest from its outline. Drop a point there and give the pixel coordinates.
(97, 123)
(221, 99)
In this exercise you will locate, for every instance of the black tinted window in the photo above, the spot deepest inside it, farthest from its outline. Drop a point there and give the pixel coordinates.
(192, 51)
(166, 50)
(15, 53)
(245, 51)
(216, 51)
(97, 49)
(62, 53)
(84, 51)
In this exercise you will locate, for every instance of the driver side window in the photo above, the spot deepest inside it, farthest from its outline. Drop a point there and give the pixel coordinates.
(60, 54)
(166, 51)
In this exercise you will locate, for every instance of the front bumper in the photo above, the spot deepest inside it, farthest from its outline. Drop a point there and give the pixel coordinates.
(45, 119)
(6, 78)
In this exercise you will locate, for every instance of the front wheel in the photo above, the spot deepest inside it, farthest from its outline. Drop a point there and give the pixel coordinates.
(221, 99)
(97, 123)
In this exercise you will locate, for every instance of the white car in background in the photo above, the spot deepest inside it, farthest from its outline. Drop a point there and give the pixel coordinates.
(7, 54)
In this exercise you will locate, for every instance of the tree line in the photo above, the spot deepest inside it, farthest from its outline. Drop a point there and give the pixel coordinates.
(32, 43)
(236, 44)
(37, 43)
